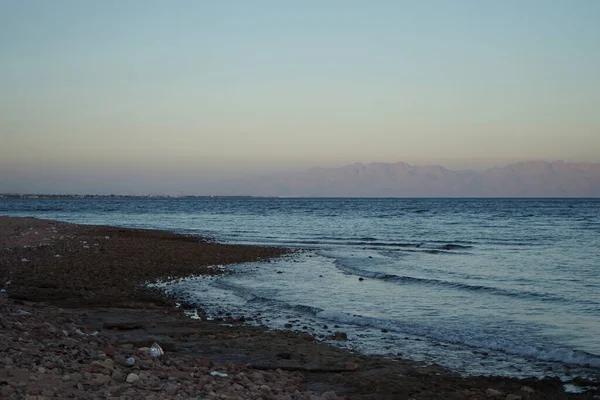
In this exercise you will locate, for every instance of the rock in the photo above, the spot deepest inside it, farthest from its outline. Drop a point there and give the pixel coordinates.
(171, 388)
(265, 389)
(340, 336)
(527, 390)
(110, 351)
(118, 376)
(104, 367)
(50, 365)
(237, 387)
(100, 379)
(76, 377)
(287, 326)
(329, 395)
(493, 393)
(131, 378)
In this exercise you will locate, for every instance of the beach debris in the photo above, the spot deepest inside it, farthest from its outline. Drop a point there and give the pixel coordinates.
(24, 260)
(22, 312)
(2, 290)
(131, 361)
(217, 373)
(513, 397)
(155, 350)
(79, 332)
(57, 255)
(361, 279)
(107, 237)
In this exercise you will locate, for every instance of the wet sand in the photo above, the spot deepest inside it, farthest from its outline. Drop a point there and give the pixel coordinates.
(74, 309)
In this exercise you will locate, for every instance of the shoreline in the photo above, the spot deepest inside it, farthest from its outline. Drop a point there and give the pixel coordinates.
(94, 273)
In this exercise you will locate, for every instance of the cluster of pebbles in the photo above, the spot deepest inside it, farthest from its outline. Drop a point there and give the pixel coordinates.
(45, 352)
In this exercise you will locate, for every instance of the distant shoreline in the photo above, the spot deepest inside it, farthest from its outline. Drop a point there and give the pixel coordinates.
(34, 196)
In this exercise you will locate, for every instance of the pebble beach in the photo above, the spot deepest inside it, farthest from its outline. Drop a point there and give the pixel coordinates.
(78, 319)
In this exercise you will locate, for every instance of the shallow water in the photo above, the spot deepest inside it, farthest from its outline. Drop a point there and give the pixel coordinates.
(483, 286)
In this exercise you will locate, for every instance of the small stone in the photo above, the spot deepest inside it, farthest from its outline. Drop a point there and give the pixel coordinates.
(131, 378)
(493, 393)
(237, 387)
(513, 397)
(118, 376)
(265, 389)
(171, 388)
(76, 377)
(329, 395)
(527, 390)
(340, 336)
(66, 378)
(50, 365)
(110, 351)
(100, 379)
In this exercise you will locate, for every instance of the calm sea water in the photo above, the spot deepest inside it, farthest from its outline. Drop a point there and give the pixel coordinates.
(482, 286)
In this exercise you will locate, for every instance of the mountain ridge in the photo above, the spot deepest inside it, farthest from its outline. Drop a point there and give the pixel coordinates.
(377, 179)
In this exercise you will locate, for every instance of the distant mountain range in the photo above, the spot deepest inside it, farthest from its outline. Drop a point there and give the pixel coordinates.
(523, 179)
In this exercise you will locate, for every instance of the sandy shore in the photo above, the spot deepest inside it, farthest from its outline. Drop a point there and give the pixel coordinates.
(74, 311)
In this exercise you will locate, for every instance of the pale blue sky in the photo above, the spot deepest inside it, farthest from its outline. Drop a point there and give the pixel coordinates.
(90, 90)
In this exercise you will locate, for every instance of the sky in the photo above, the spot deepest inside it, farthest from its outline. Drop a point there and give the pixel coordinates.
(162, 96)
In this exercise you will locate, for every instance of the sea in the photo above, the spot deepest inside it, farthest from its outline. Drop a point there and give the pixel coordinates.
(506, 287)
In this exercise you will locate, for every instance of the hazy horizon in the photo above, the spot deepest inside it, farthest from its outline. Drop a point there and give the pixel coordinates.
(117, 183)
(157, 97)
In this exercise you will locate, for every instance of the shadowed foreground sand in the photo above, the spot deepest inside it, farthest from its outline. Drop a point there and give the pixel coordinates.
(73, 311)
